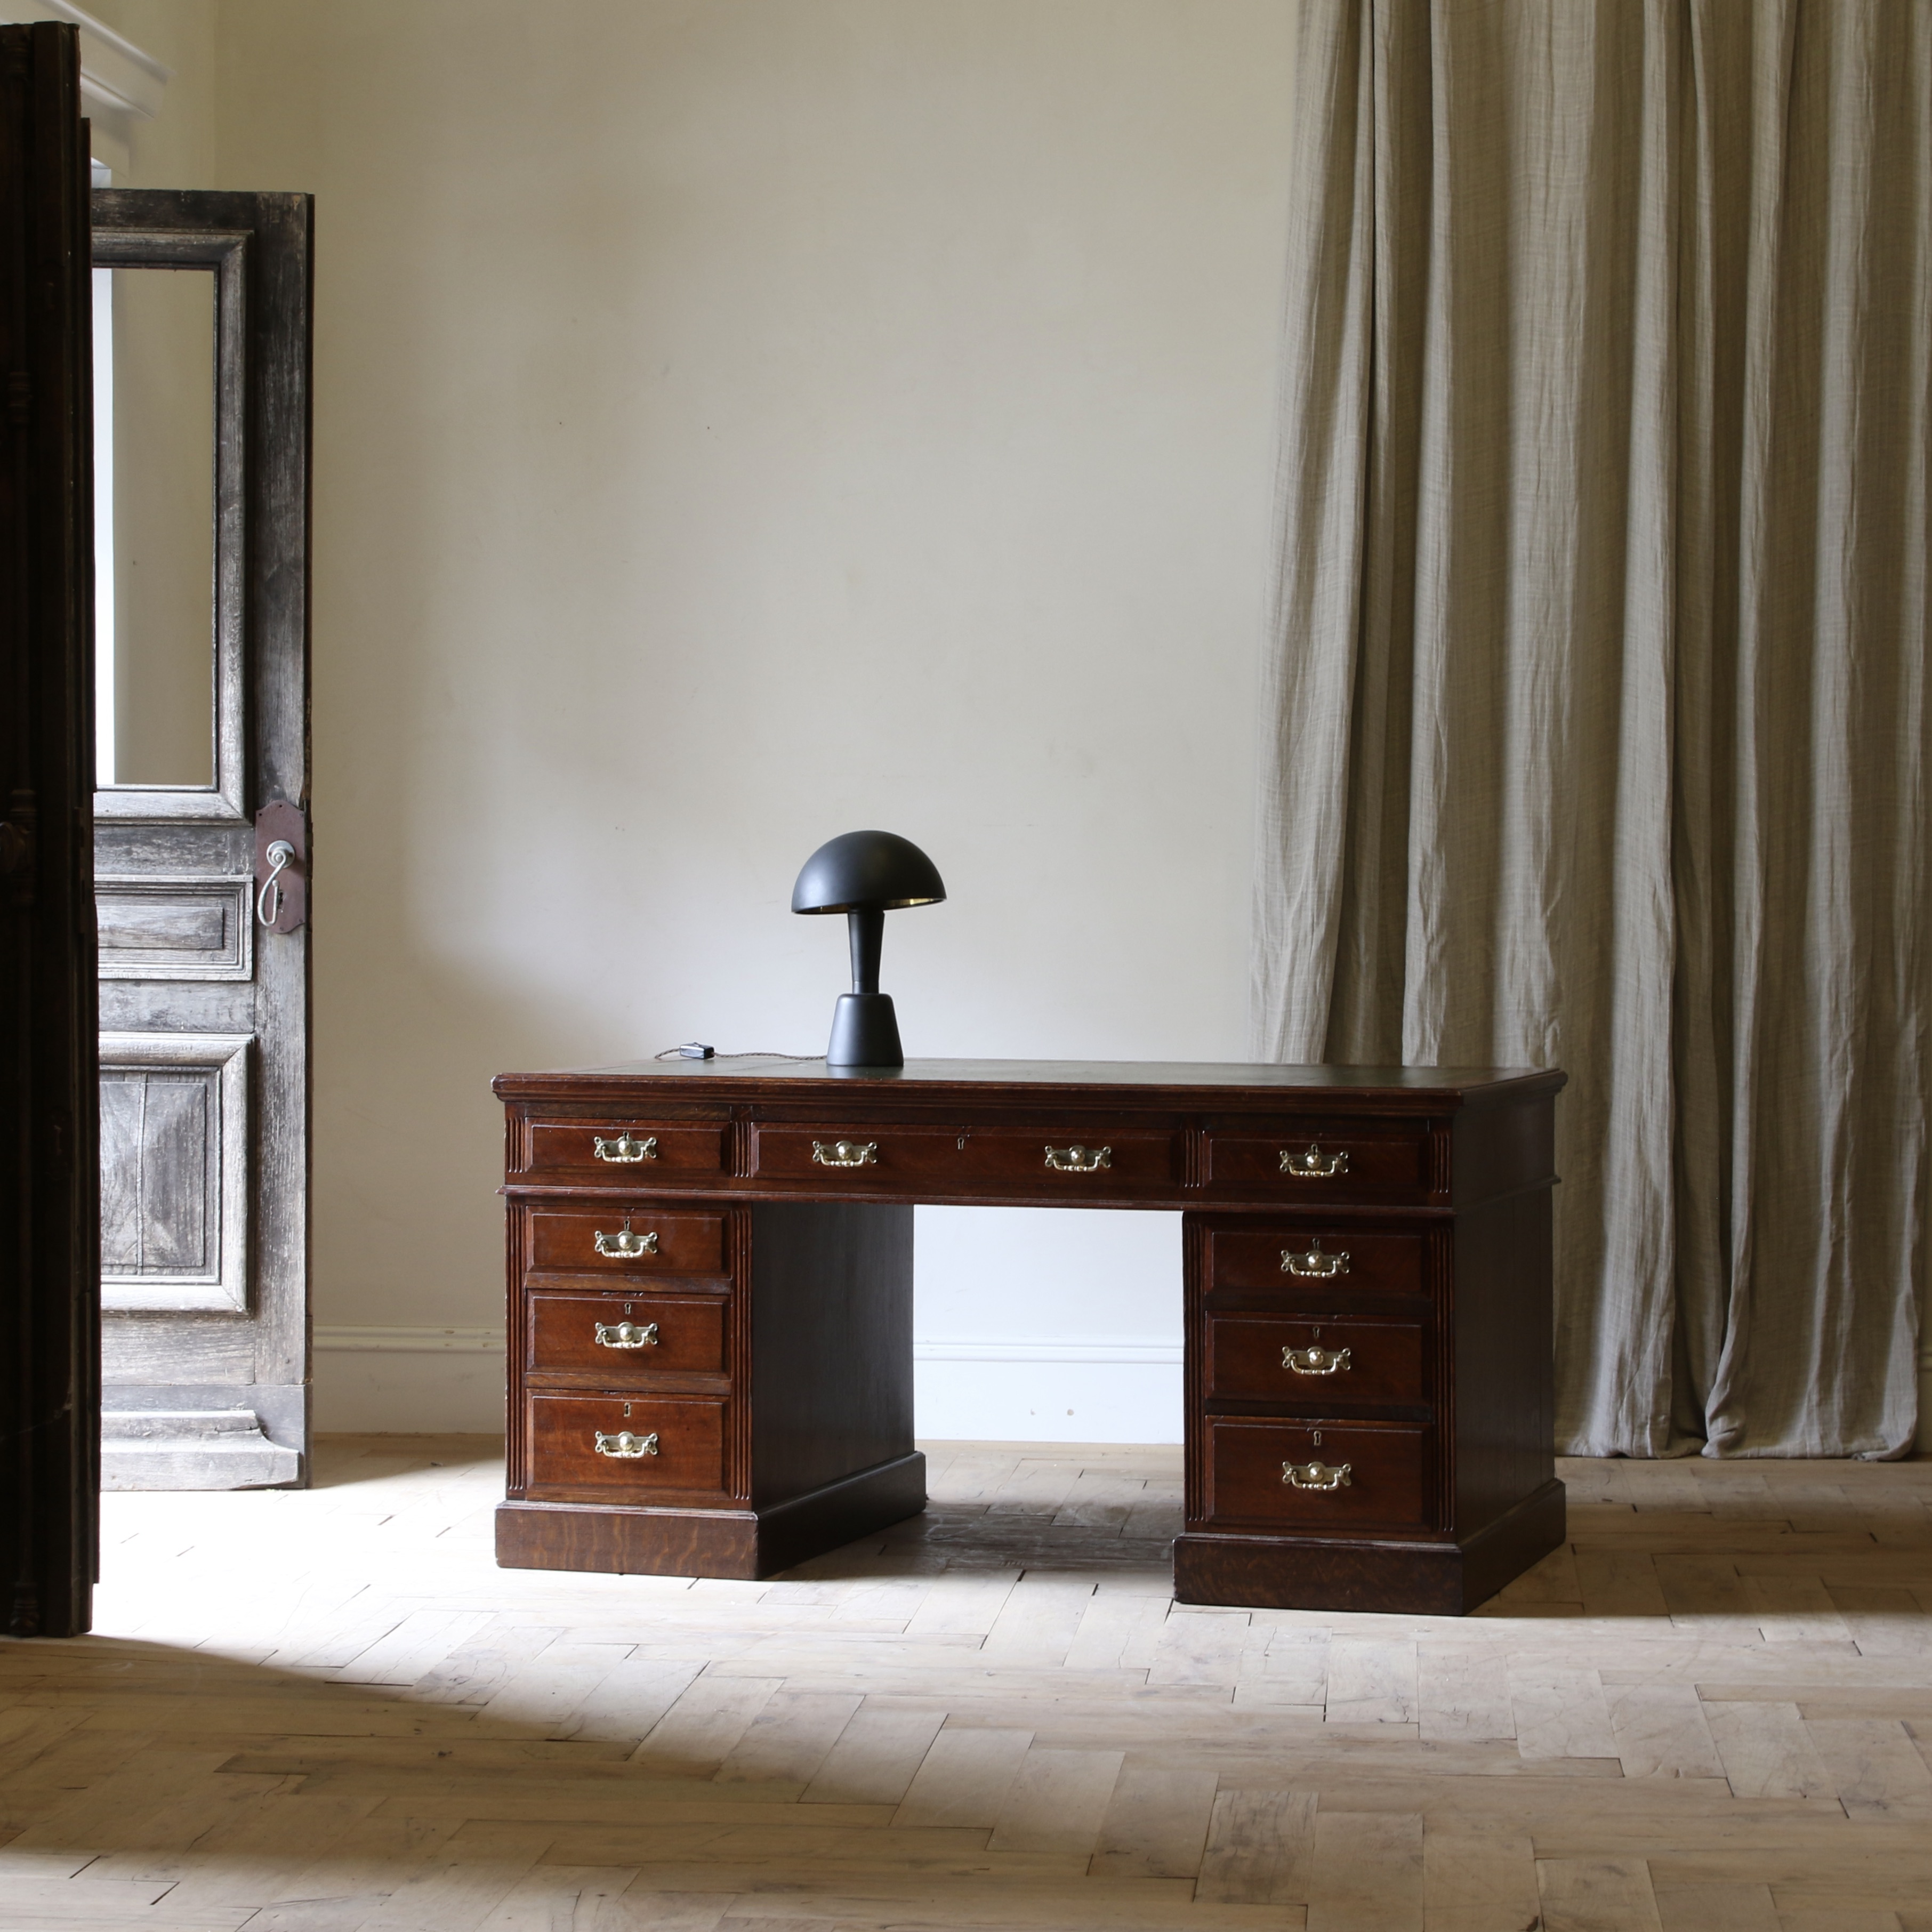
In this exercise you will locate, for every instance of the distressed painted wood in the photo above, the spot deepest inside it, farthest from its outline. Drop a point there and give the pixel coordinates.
(159, 928)
(175, 1187)
(206, 1168)
(160, 1171)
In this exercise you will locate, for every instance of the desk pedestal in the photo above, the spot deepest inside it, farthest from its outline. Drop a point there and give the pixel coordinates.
(749, 1472)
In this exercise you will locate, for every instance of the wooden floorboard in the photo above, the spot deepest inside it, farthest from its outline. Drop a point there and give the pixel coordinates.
(328, 1710)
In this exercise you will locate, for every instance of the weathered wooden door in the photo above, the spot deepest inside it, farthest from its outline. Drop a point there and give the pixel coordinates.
(201, 307)
(48, 1328)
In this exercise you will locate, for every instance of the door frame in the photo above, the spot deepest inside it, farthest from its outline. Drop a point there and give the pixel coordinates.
(50, 1167)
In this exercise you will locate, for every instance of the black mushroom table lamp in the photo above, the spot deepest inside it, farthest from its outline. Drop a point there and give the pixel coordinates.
(865, 875)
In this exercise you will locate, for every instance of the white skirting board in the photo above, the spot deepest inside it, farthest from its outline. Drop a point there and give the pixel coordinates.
(409, 1381)
(403, 1380)
(430, 1381)
(1061, 1389)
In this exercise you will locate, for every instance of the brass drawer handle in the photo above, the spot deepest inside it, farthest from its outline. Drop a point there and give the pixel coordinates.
(1308, 1475)
(1314, 1165)
(1315, 1361)
(626, 1447)
(1314, 1264)
(625, 1149)
(845, 1154)
(625, 1244)
(1079, 1159)
(629, 1335)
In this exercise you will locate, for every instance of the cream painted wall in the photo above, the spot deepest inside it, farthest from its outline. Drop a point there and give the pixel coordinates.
(738, 423)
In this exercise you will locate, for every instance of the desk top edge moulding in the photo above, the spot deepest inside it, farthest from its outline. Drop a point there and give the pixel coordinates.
(1408, 1086)
(710, 1275)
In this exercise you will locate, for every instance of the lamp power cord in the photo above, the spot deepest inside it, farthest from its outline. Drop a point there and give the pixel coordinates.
(694, 1049)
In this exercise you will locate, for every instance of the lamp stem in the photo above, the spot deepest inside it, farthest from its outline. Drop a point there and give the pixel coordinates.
(867, 932)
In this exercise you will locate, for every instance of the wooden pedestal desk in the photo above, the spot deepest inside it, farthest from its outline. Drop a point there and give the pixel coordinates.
(710, 1309)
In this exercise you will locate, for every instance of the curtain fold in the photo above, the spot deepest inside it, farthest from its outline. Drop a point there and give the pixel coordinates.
(1595, 717)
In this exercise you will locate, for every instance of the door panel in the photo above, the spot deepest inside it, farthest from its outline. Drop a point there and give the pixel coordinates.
(174, 1191)
(157, 928)
(159, 1175)
(204, 344)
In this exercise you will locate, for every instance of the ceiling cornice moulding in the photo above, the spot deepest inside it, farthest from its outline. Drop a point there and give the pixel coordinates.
(116, 77)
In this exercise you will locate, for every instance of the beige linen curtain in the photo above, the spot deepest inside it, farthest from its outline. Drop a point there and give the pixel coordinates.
(1595, 715)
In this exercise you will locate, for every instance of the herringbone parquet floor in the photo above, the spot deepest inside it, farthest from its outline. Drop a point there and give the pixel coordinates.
(329, 1712)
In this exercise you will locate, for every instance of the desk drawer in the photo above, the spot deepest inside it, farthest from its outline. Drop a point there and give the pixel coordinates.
(613, 1150)
(841, 1152)
(618, 1337)
(1062, 1162)
(635, 1240)
(1311, 1163)
(1315, 1358)
(1310, 1258)
(681, 1438)
(1379, 1470)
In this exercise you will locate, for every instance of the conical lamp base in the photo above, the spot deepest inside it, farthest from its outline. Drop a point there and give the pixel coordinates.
(865, 1032)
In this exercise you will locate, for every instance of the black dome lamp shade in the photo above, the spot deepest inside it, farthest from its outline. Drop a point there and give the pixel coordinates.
(865, 875)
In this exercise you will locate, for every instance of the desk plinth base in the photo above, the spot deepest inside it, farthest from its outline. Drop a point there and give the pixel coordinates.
(742, 1544)
(1413, 1579)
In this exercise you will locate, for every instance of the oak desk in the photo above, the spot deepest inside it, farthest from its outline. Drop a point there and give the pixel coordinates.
(710, 1308)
